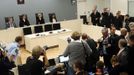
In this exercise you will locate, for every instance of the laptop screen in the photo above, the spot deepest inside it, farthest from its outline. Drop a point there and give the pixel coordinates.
(63, 59)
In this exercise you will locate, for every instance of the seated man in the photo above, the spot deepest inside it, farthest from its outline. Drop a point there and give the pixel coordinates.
(13, 51)
(36, 66)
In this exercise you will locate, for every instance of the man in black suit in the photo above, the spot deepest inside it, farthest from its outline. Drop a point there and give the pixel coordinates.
(118, 20)
(131, 50)
(113, 40)
(107, 18)
(103, 48)
(24, 21)
(126, 22)
(123, 32)
(122, 55)
(95, 16)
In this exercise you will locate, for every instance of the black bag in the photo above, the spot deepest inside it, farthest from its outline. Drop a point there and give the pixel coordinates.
(88, 60)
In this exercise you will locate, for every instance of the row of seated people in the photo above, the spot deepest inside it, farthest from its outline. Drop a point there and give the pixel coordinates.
(25, 22)
(116, 50)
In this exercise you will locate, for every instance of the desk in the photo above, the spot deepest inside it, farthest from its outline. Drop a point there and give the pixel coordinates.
(45, 38)
(8, 35)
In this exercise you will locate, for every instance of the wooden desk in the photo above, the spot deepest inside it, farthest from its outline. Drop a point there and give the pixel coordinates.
(45, 38)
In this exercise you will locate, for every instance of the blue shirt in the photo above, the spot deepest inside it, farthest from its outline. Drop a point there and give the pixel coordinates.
(12, 49)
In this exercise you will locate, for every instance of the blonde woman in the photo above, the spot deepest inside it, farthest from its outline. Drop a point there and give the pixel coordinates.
(36, 66)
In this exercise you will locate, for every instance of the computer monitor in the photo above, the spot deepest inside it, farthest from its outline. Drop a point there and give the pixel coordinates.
(51, 62)
(48, 27)
(27, 30)
(38, 29)
(56, 26)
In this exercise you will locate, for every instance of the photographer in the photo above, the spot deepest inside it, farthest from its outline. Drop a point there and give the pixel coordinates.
(36, 66)
(5, 64)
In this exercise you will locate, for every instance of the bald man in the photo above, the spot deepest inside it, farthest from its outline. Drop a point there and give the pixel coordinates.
(123, 32)
(131, 26)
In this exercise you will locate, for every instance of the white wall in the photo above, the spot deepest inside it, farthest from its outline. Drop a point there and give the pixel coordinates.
(130, 8)
(121, 5)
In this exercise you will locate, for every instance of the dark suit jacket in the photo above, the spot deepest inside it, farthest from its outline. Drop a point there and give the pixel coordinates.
(122, 57)
(107, 19)
(22, 23)
(95, 18)
(8, 25)
(113, 40)
(130, 60)
(118, 22)
(38, 21)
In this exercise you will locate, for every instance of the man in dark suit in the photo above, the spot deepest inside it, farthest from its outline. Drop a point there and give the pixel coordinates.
(24, 21)
(95, 16)
(131, 50)
(103, 48)
(123, 32)
(126, 22)
(107, 18)
(122, 55)
(118, 20)
(113, 40)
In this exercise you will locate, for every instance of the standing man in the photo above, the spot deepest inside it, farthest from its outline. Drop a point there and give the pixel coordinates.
(13, 49)
(107, 18)
(95, 16)
(104, 46)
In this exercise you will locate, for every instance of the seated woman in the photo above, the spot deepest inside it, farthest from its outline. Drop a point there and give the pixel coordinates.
(6, 64)
(79, 69)
(99, 68)
(36, 66)
(116, 66)
(23, 21)
(52, 18)
(10, 22)
(39, 18)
